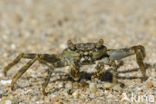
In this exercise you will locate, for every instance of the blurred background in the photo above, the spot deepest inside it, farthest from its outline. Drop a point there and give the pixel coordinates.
(44, 26)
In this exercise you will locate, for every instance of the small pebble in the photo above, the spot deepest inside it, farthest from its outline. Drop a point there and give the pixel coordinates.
(63, 46)
(1, 75)
(93, 87)
(60, 85)
(110, 96)
(118, 87)
(13, 46)
(5, 82)
(1, 92)
(149, 84)
(8, 102)
(76, 94)
(58, 103)
(68, 85)
(107, 85)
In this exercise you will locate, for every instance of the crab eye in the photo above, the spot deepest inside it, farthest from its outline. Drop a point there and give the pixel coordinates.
(99, 43)
(71, 45)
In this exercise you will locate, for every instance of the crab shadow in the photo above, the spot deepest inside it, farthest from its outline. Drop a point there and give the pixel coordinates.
(147, 66)
(84, 76)
(107, 76)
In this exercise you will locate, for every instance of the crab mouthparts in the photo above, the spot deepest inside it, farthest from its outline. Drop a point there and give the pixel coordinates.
(86, 58)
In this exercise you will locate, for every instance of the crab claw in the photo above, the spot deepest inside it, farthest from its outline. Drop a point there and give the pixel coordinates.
(99, 43)
(71, 45)
(138, 51)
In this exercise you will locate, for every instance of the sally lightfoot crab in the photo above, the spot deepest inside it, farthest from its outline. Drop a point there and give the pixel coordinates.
(77, 55)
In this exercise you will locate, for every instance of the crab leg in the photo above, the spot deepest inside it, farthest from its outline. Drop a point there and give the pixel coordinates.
(75, 74)
(47, 79)
(21, 72)
(139, 51)
(40, 57)
(14, 62)
(113, 64)
(51, 58)
(45, 84)
(99, 70)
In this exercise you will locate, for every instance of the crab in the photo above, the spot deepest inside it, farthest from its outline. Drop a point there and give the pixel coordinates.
(77, 55)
